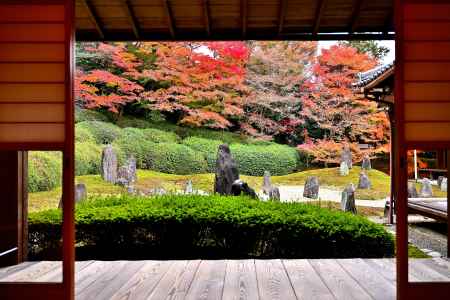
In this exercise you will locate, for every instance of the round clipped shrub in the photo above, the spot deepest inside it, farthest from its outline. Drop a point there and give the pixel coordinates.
(82, 134)
(207, 147)
(103, 132)
(87, 158)
(44, 171)
(82, 115)
(133, 142)
(160, 136)
(133, 122)
(254, 160)
(175, 159)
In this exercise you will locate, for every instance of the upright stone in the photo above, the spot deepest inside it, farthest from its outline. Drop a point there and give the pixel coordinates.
(109, 164)
(189, 188)
(346, 156)
(126, 174)
(439, 180)
(274, 194)
(80, 194)
(226, 171)
(412, 191)
(366, 165)
(311, 189)
(240, 187)
(348, 199)
(343, 169)
(426, 191)
(267, 184)
(364, 182)
(443, 185)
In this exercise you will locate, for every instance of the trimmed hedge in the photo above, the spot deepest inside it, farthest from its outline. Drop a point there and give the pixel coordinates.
(103, 132)
(254, 159)
(132, 141)
(207, 147)
(188, 227)
(83, 134)
(44, 171)
(87, 158)
(82, 115)
(159, 136)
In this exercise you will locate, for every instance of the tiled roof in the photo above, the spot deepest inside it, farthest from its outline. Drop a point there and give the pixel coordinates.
(364, 78)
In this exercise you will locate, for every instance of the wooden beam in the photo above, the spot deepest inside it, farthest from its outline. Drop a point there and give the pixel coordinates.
(206, 15)
(319, 14)
(281, 15)
(131, 18)
(169, 16)
(94, 18)
(355, 15)
(244, 17)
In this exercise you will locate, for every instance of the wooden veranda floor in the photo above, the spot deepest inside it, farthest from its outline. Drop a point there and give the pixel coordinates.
(233, 279)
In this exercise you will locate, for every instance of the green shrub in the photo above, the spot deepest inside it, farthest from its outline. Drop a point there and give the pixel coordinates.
(159, 136)
(83, 134)
(187, 227)
(132, 141)
(87, 158)
(207, 147)
(133, 122)
(82, 115)
(44, 171)
(103, 132)
(254, 160)
(175, 159)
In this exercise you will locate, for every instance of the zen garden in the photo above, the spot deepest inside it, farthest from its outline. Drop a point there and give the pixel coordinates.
(224, 150)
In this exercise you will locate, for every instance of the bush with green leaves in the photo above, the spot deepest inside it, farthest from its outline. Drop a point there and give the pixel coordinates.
(175, 159)
(82, 115)
(255, 159)
(103, 132)
(128, 121)
(207, 147)
(44, 170)
(208, 227)
(160, 136)
(83, 134)
(132, 141)
(88, 158)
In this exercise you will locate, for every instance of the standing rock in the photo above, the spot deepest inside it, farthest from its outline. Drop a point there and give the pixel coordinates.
(366, 165)
(109, 164)
(343, 169)
(364, 182)
(226, 171)
(439, 180)
(426, 190)
(347, 156)
(240, 187)
(80, 194)
(126, 174)
(443, 185)
(348, 199)
(189, 188)
(267, 184)
(274, 194)
(311, 189)
(412, 191)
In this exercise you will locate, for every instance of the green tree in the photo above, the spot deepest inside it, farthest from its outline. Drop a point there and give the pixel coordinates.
(371, 48)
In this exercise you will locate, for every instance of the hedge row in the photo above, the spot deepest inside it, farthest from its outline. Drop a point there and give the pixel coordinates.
(186, 227)
(44, 171)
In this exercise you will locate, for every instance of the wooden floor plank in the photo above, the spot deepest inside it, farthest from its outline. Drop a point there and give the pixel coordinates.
(90, 274)
(175, 284)
(273, 282)
(422, 272)
(106, 285)
(240, 280)
(385, 267)
(34, 271)
(208, 281)
(6, 271)
(440, 265)
(373, 283)
(306, 282)
(56, 274)
(338, 281)
(141, 284)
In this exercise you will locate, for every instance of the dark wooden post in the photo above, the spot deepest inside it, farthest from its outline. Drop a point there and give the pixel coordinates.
(448, 202)
(13, 207)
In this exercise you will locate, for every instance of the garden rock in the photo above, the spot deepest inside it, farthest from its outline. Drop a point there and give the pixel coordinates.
(274, 194)
(109, 164)
(348, 199)
(366, 165)
(443, 185)
(347, 156)
(267, 184)
(240, 187)
(426, 190)
(159, 191)
(439, 180)
(80, 194)
(311, 189)
(226, 171)
(343, 169)
(364, 181)
(412, 191)
(189, 188)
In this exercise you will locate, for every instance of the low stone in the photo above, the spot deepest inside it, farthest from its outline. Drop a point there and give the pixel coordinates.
(343, 169)
(109, 164)
(274, 194)
(80, 194)
(311, 189)
(240, 187)
(348, 203)
(364, 181)
(346, 156)
(443, 185)
(366, 165)
(426, 190)
(189, 188)
(412, 191)
(226, 171)
(158, 191)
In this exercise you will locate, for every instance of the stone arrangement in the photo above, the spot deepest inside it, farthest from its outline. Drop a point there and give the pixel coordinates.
(80, 194)
(443, 185)
(189, 187)
(226, 171)
(343, 169)
(240, 187)
(126, 175)
(348, 203)
(346, 156)
(426, 190)
(366, 165)
(109, 164)
(272, 192)
(412, 191)
(364, 181)
(311, 189)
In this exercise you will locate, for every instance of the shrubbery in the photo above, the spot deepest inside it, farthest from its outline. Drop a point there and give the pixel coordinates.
(44, 171)
(83, 134)
(82, 115)
(103, 132)
(87, 158)
(207, 147)
(159, 136)
(186, 227)
(132, 141)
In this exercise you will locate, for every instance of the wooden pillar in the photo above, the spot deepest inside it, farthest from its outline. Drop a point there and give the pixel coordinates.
(392, 172)
(13, 211)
